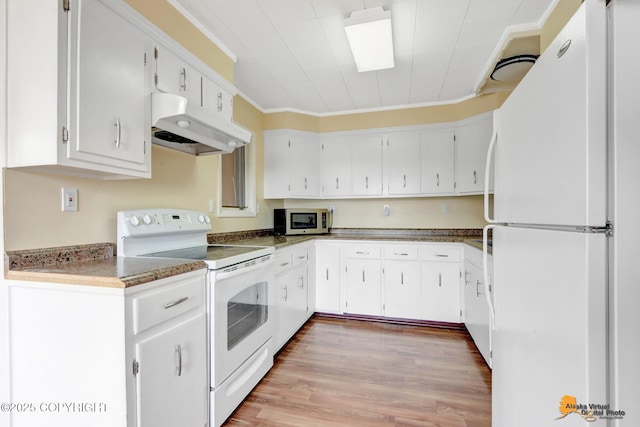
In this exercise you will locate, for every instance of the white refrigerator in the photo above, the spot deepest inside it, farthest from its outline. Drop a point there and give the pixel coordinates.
(557, 289)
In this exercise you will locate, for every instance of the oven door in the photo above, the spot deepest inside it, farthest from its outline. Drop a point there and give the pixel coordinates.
(242, 317)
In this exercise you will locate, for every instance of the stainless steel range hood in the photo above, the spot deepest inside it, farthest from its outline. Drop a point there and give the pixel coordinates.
(178, 124)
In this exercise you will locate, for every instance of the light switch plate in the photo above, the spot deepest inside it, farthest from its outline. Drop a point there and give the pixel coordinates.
(69, 199)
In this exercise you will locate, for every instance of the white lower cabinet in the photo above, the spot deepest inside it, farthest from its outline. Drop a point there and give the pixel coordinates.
(293, 290)
(441, 273)
(327, 277)
(402, 289)
(135, 356)
(363, 287)
(362, 279)
(476, 308)
(171, 362)
(391, 279)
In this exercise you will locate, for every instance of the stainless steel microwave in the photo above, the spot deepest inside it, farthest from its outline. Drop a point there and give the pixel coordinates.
(300, 221)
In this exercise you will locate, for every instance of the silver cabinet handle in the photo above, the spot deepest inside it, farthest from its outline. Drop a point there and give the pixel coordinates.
(401, 254)
(219, 102)
(437, 180)
(362, 253)
(302, 257)
(284, 264)
(404, 184)
(402, 278)
(305, 182)
(366, 182)
(466, 274)
(440, 280)
(183, 74)
(441, 256)
(285, 295)
(475, 177)
(327, 273)
(301, 285)
(337, 183)
(176, 302)
(118, 132)
(478, 284)
(363, 278)
(179, 366)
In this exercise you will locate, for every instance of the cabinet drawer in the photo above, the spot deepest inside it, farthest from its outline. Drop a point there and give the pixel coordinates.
(365, 252)
(283, 262)
(300, 256)
(440, 253)
(156, 307)
(401, 252)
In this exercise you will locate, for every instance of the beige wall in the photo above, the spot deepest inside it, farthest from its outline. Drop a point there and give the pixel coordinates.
(32, 200)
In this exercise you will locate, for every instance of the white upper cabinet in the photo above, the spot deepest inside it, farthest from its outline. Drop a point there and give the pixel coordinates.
(403, 163)
(291, 165)
(77, 89)
(366, 165)
(108, 120)
(304, 165)
(437, 160)
(276, 166)
(428, 160)
(472, 141)
(174, 75)
(216, 99)
(177, 76)
(335, 158)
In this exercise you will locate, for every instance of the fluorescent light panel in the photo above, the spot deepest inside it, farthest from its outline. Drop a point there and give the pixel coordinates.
(369, 35)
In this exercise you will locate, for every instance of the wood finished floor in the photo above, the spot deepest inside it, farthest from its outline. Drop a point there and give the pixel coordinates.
(338, 372)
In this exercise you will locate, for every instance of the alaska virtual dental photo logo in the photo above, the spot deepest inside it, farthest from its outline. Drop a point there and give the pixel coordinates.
(590, 412)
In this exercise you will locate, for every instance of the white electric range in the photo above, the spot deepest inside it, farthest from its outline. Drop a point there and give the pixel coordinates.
(239, 291)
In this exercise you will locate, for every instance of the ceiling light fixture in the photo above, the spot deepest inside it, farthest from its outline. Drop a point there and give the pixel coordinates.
(369, 35)
(513, 68)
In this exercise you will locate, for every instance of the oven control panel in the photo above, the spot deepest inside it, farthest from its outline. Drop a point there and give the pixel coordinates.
(149, 222)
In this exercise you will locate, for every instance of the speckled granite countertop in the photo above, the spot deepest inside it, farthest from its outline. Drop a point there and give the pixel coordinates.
(92, 265)
(261, 238)
(96, 265)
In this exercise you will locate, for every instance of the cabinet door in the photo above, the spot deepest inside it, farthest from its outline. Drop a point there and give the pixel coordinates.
(402, 290)
(403, 163)
(328, 278)
(366, 166)
(276, 166)
(303, 166)
(335, 161)
(476, 315)
(363, 287)
(292, 303)
(441, 291)
(174, 75)
(108, 123)
(172, 380)
(471, 144)
(216, 100)
(437, 154)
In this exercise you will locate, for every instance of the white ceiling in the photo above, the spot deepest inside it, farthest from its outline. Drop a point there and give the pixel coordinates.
(293, 54)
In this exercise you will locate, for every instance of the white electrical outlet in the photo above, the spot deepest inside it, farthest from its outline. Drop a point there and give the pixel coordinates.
(446, 208)
(386, 210)
(69, 199)
(332, 209)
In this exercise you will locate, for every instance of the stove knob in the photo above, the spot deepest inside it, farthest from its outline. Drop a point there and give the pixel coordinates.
(207, 220)
(135, 221)
(147, 219)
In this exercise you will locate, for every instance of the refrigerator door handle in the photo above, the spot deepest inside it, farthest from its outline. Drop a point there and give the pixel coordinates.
(485, 271)
(487, 168)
